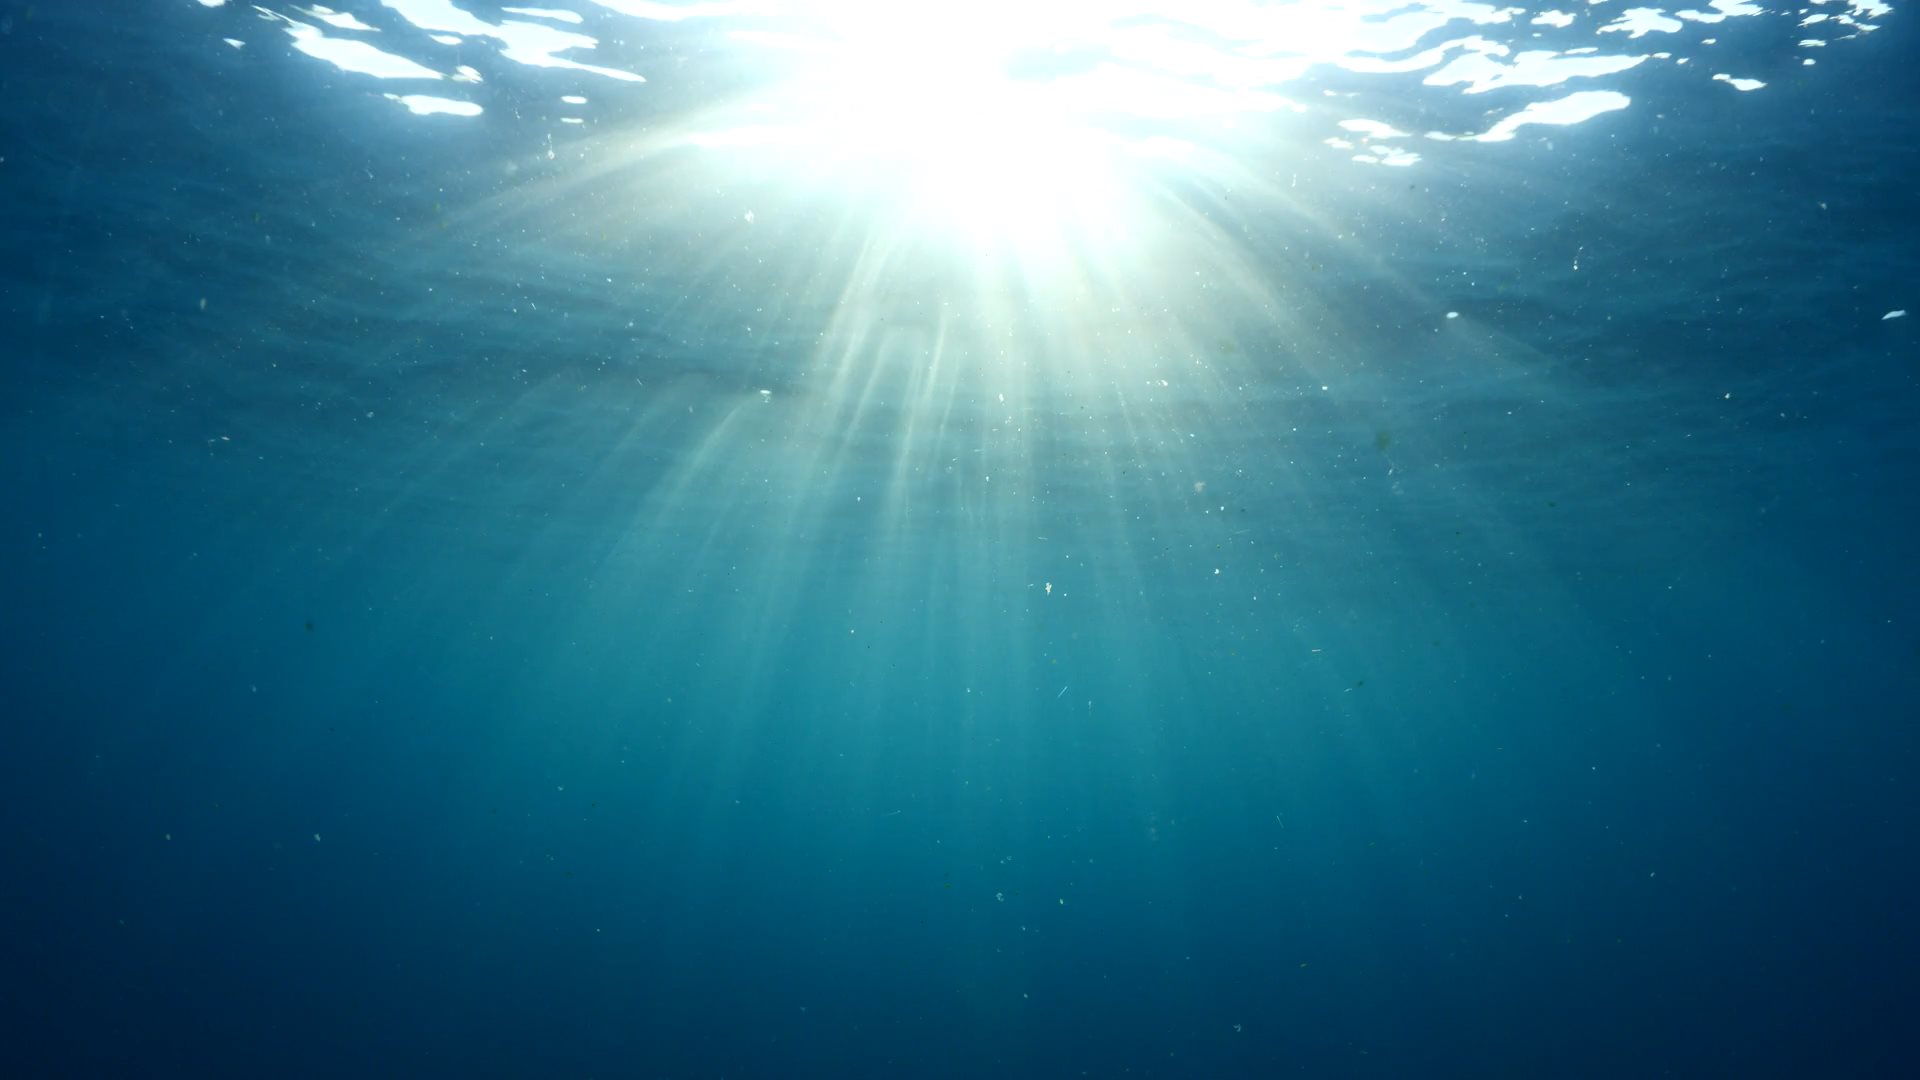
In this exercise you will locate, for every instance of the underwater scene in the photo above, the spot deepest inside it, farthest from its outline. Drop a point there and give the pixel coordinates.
(869, 539)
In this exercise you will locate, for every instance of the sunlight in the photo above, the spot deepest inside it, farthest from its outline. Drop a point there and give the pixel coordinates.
(990, 159)
(953, 119)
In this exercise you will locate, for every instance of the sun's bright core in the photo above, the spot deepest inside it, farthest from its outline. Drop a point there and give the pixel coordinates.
(922, 114)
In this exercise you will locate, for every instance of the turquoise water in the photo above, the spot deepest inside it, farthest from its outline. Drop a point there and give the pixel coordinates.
(1324, 541)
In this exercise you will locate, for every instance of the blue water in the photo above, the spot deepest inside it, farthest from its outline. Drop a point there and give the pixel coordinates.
(1143, 586)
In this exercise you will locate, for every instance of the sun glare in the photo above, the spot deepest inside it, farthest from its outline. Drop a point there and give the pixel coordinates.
(991, 162)
(923, 111)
